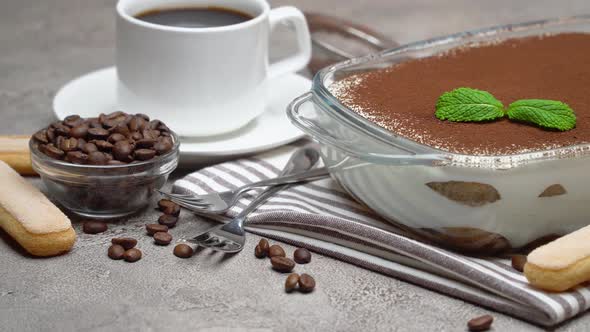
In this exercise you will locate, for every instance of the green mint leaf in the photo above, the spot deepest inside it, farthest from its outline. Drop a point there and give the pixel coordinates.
(545, 113)
(468, 105)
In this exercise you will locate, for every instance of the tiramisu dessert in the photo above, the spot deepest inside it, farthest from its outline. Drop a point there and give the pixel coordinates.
(402, 98)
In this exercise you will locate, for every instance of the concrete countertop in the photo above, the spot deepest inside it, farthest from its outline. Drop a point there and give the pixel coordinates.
(44, 44)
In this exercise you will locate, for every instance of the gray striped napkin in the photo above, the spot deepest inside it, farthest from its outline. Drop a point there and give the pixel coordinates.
(322, 217)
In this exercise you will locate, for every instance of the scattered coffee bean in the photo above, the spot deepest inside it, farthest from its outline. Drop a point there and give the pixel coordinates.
(482, 323)
(154, 228)
(162, 238)
(94, 227)
(518, 262)
(291, 282)
(282, 264)
(132, 255)
(276, 251)
(306, 283)
(125, 242)
(264, 246)
(302, 256)
(168, 220)
(116, 252)
(258, 252)
(169, 207)
(183, 250)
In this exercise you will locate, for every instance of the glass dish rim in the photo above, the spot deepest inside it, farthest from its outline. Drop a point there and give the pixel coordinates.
(48, 161)
(339, 111)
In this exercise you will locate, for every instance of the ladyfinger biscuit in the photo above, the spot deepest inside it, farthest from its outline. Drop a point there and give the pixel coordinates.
(561, 264)
(14, 150)
(30, 218)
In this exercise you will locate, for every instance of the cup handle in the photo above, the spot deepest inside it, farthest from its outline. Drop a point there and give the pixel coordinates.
(301, 58)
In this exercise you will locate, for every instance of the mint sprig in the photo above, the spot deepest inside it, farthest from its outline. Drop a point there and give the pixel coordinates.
(468, 105)
(472, 105)
(545, 113)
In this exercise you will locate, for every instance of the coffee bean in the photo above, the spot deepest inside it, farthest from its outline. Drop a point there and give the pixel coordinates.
(94, 227)
(282, 264)
(41, 136)
(77, 157)
(50, 134)
(121, 128)
(169, 207)
(97, 158)
(80, 131)
(132, 255)
(102, 145)
(115, 114)
(53, 152)
(482, 323)
(302, 256)
(73, 120)
(81, 143)
(143, 116)
(168, 220)
(136, 136)
(291, 282)
(518, 262)
(264, 246)
(154, 228)
(98, 133)
(122, 151)
(306, 283)
(94, 123)
(116, 252)
(115, 163)
(162, 238)
(162, 147)
(114, 138)
(69, 144)
(125, 242)
(258, 252)
(144, 154)
(154, 124)
(276, 251)
(89, 148)
(183, 250)
(145, 143)
(61, 129)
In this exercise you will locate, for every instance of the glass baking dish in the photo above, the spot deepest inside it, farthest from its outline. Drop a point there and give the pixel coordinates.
(477, 204)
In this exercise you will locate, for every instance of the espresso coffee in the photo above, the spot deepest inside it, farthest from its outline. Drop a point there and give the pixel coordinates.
(199, 17)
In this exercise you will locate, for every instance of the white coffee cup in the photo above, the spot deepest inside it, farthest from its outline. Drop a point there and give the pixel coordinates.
(202, 81)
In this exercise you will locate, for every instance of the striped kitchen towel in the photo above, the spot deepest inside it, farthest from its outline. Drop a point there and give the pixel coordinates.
(323, 218)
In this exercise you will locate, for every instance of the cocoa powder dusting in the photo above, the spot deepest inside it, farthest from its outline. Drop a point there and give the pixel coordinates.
(402, 98)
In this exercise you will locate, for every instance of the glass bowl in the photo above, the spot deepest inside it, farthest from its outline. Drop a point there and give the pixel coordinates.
(104, 191)
(471, 203)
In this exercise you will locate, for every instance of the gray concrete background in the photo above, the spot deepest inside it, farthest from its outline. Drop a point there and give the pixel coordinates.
(44, 44)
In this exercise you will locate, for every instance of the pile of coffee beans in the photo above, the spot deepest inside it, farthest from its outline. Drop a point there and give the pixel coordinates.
(481, 323)
(117, 138)
(124, 248)
(281, 263)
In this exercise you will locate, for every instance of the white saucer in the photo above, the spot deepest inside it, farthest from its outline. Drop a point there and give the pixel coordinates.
(94, 93)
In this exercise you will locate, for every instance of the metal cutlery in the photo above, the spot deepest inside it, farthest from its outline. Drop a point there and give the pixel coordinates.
(230, 237)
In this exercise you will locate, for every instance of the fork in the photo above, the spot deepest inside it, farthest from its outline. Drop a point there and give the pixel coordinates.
(230, 237)
(223, 201)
